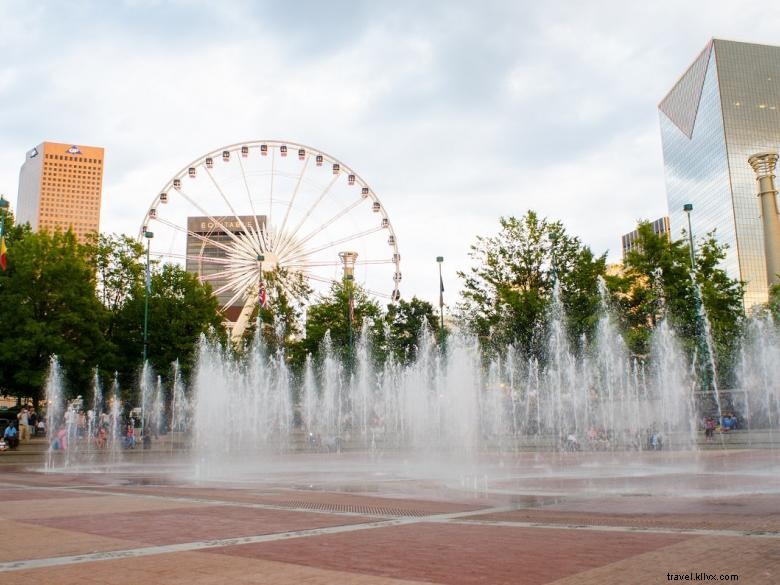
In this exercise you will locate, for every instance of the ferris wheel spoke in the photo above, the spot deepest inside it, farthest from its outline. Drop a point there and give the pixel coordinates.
(236, 297)
(239, 285)
(225, 199)
(197, 236)
(349, 238)
(222, 274)
(216, 222)
(290, 238)
(327, 280)
(248, 192)
(294, 196)
(330, 221)
(271, 191)
(312, 263)
(206, 259)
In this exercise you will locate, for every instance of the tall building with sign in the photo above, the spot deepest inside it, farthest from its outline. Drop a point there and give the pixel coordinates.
(203, 256)
(725, 108)
(60, 186)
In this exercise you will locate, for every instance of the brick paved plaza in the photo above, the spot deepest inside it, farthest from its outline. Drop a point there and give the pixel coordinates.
(334, 518)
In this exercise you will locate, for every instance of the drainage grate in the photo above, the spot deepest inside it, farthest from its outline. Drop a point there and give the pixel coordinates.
(352, 509)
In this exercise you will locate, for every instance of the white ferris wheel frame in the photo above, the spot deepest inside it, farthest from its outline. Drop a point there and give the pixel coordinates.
(292, 251)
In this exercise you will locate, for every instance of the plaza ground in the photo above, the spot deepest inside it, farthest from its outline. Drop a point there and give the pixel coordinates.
(577, 518)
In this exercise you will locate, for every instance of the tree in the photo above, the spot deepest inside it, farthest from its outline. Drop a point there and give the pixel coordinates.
(405, 322)
(332, 314)
(656, 283)
(181, 309)
(49, 307)
(118, 260)
(507, 294)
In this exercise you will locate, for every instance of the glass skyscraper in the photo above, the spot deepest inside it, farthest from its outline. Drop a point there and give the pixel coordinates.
(723, 110)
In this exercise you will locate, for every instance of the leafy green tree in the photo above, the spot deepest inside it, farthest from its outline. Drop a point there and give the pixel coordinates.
(332, 314)
(507, 293)
(49, 307)
(405, 322)
(656, 283)
(774, 302)
(118, 259)
(181, 308)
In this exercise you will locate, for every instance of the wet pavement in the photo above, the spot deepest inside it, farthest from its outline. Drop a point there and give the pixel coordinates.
(533, 518)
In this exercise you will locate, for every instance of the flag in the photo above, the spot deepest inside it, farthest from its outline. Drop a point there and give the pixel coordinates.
(351, 308)
(263, 296)
(148, 280)
(3, 251)
(441, 291)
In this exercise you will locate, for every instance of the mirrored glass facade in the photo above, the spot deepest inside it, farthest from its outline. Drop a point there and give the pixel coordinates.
(710, 125)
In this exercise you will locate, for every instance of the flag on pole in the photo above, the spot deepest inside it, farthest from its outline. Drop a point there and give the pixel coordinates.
(351, 308)
(263, 296)
(441, 291)
(3, 252)
(148, 280)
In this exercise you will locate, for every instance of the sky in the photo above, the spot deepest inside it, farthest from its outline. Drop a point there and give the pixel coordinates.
(456, 113)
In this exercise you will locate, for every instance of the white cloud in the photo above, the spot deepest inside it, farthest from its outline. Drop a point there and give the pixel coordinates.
(455, 116)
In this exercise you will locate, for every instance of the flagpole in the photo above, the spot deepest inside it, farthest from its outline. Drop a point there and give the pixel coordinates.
(440, 261)
(147, 285)
(260, 258)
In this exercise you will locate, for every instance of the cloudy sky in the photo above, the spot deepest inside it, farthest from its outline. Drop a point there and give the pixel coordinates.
(455, 112)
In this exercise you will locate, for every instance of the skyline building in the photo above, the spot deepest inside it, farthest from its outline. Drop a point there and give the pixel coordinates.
(660, 227)
(61, 186)
(723, 110)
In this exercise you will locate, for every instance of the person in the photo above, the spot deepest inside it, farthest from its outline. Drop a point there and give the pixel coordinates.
(60, 439)
(130, 438)
(147, 438)
(571, 443)
(23, 418)
(11, 436)
(709, 428)
(102, 437)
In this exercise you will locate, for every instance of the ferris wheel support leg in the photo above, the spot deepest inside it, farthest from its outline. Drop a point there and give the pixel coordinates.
(243, 319)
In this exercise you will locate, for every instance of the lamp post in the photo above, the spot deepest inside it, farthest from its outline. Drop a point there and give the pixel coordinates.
(705, 359)
(148, 236)
(440, 261)
(348, 259)
(4, 209)
(687, 208)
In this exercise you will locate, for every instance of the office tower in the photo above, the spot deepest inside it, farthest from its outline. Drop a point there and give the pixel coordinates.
(723, 110)
(660, 227)
(60, 186)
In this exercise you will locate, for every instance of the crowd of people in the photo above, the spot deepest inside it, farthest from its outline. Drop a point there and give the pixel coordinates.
(603, 439)
(27, 425)
(77, 425)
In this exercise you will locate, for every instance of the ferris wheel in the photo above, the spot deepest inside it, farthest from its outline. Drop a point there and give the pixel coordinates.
(247, 212)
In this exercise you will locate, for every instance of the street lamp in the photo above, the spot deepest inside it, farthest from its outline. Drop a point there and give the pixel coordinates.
(4, 208)
(439, 261)
(148, 236)
(687, 208)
